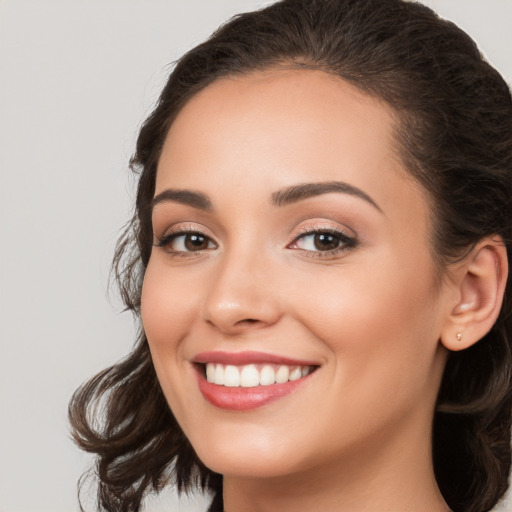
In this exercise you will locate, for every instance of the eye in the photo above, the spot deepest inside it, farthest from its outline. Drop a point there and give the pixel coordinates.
(183, 242)
(318, 242)
(323, 241)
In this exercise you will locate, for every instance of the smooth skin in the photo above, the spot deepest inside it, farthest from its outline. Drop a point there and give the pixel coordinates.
(371, 309)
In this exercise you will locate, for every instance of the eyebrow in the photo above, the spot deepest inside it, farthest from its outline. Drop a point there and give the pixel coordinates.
(283, 197)
(303, 191)
(186, 197)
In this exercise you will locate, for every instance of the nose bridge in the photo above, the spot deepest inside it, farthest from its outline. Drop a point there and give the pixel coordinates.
(240, 294)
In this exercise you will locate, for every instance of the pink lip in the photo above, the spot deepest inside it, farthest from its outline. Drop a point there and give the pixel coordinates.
(245, 399)
(249, 357)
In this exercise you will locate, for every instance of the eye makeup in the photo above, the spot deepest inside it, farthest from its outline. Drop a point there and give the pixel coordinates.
(323, 242)
(316, 241)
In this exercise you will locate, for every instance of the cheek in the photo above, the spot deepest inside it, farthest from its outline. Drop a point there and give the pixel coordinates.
(380, 323)
(167, 311)
(166, 307)
(382, 342)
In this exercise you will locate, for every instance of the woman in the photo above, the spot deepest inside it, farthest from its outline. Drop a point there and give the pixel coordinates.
(319, 260)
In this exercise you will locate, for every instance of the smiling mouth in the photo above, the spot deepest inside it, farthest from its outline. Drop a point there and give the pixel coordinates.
(253, 375)
(249, 380)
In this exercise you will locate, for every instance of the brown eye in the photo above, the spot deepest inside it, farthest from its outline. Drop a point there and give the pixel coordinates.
(195, 242)
(326, 241)
(186, 242)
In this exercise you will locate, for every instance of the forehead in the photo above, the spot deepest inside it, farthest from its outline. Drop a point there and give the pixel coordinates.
(283, 126)
(283, 109)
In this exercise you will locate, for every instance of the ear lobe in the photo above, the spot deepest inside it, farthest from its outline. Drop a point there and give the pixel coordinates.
(480, 279)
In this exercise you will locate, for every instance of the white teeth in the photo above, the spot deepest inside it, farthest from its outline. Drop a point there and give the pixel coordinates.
(231, 376)
(218, 378)
(210, 372)
(282, 374)
(295, 374)
(249, 376)
(267, 376)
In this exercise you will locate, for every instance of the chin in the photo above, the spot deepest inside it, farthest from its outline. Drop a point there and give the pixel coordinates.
(248, 456)
(244, 467)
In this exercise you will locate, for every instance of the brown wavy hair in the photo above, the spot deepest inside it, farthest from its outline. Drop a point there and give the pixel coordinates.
(455, 138)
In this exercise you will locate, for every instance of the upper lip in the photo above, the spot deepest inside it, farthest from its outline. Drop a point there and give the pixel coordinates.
(248, 357)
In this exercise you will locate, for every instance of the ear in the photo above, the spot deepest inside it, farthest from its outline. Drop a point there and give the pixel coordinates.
(480, 280)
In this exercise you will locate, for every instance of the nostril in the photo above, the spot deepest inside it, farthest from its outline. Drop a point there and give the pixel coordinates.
(247, 321)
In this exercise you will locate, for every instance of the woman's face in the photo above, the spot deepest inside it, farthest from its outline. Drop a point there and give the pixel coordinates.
(291, 302)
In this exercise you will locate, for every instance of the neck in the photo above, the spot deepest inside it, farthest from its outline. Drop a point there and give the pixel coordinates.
(388, 475)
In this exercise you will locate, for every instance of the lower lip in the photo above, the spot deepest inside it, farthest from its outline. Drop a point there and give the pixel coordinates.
(245, 399)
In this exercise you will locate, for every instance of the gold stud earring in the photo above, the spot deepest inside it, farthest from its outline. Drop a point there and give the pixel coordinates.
(459, 336)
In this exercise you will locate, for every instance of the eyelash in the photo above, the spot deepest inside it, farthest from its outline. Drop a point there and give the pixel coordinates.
(166, 240)
(345, 242)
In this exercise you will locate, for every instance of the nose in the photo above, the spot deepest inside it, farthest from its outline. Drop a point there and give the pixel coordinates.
(242, 295)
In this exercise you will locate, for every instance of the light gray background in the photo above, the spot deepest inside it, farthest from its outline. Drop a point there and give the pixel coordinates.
(76, 80)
